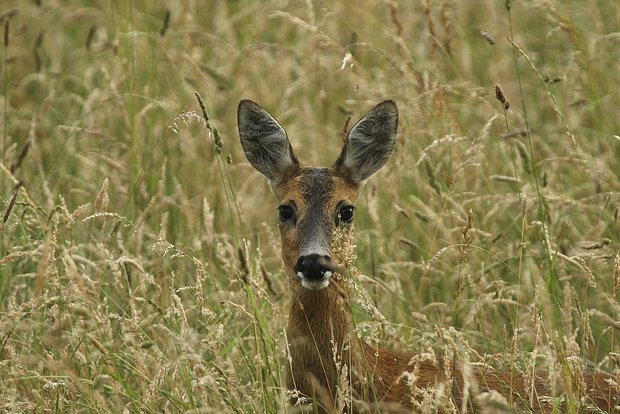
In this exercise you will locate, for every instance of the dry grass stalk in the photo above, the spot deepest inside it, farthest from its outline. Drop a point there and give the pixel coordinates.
(555, 104)
(11, 203)
(616, 277)
(446, 22)
(514, 134)
(395, 16)
(505, 178)
(431, 28)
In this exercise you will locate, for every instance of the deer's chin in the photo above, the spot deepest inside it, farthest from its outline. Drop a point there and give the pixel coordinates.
(315, 284)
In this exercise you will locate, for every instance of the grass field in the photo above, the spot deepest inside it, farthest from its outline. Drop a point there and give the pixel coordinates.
(140, 264)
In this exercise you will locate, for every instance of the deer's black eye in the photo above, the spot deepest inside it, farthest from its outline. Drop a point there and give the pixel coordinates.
(346, 214)
(286, 213)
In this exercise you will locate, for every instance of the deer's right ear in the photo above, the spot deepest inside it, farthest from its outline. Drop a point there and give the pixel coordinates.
(264, 141)
(369, 143)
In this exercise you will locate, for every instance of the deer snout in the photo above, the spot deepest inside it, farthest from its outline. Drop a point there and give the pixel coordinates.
(313, 266)
(314, 270)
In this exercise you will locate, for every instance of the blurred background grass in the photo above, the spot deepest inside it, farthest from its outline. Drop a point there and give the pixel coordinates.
(139, 262)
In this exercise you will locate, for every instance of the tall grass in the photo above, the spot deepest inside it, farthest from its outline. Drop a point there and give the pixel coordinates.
(140, 266)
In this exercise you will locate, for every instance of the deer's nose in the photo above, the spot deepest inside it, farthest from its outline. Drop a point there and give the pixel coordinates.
(314, 266)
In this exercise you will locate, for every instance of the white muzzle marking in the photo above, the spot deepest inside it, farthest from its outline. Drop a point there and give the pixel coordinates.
(315, 284)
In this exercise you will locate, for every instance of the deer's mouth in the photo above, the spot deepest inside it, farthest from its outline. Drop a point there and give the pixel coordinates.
(315, 271)
(315, 283)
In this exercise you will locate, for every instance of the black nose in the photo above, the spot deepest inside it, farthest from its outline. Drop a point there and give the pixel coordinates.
(313, 266)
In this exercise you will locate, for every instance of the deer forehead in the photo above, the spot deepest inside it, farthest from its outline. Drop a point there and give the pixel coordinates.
(317, 187)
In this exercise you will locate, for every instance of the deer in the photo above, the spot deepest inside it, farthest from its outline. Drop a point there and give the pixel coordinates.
(329, 369)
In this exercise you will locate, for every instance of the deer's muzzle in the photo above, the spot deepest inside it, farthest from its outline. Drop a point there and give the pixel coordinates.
(315, 270)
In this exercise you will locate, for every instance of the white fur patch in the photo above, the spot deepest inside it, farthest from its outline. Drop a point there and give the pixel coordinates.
(315, 284)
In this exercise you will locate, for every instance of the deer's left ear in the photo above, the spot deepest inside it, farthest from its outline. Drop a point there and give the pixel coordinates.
(369, 143)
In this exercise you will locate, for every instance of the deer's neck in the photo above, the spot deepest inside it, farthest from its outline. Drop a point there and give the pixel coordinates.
(323, 316)
(328, 361)
(323, 349)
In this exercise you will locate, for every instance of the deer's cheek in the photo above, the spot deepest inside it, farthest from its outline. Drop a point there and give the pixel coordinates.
(290, 248)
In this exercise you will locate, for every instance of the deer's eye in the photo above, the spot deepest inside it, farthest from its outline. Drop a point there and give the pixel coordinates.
(286, 213)
(345, 215)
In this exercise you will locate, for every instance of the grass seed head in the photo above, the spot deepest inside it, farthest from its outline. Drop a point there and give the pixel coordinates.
(499, 95)
(6, 33)
(486, 36)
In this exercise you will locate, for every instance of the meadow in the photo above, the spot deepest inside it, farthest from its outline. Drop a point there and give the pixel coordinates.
(140, 266)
